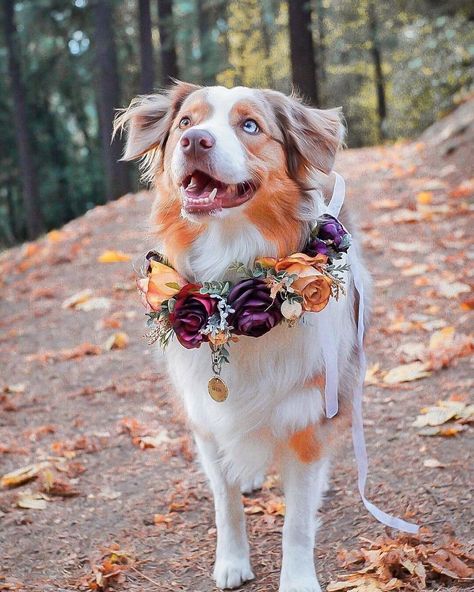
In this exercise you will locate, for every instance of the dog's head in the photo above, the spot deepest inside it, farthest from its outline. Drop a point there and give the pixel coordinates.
(220, 150)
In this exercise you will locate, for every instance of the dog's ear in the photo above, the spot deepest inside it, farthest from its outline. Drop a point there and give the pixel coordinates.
(148, 118)
(311, 136)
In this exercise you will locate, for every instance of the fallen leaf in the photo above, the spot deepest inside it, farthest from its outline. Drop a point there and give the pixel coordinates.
(160, 519)
(77, 298)
(118, 340)
(111, 256)
(415, 270)
(23, 475)
(447, 564)
(96, 303)
(74, 353)
(53, 485)
(371, 374)
(32, 501)
(442, 338)
(424, 197)
(15, 389)
(412, 351)
(464, 189)
(441, 413)
(385, 204)
(56, 236)
(406, 373)
(433, 463)
(467, 304)
(453, 289)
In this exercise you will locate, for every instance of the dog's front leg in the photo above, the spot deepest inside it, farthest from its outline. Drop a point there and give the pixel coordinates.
(232, 566)
(304, 484)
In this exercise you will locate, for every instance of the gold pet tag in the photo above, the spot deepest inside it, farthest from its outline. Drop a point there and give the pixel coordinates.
(217, 389)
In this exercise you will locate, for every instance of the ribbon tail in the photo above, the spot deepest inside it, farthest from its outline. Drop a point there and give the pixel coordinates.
(358, 438)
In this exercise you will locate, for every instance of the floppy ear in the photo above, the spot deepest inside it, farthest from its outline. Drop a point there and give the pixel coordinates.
(148, 118)
(311, 136)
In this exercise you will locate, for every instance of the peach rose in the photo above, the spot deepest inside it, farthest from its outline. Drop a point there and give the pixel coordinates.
(300, 264)
(162, 283)
(315, 289)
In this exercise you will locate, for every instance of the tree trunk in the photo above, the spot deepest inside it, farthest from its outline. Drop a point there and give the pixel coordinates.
(116, 173)
(303, 63)
(169, 61)
(33, 214)
(205, 48)
(321, 41)
(376, 54)
(267, 28)
(147, 63)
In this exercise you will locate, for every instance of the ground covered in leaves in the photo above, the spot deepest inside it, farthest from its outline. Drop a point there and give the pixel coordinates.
(99, 486)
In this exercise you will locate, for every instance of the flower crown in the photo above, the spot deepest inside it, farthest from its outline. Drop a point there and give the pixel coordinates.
(272, 292)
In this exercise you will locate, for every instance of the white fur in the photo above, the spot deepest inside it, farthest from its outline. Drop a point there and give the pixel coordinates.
(238, 439)
(228, 162)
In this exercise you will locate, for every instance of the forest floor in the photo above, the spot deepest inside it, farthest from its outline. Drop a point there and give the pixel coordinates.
(120, 500)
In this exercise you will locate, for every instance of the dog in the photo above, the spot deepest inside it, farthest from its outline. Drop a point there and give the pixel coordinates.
(241, 173)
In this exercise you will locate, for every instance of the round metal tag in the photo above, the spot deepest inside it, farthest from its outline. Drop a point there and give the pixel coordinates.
(217, 389)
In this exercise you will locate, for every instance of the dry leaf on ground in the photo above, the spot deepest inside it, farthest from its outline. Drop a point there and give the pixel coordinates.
(403, 563)
(32, 501)
(23, 475)
(407, 373)
(110, 256)
(51, 484)
(453, 289)
(73, 353)
(457, 413)
(118, 340)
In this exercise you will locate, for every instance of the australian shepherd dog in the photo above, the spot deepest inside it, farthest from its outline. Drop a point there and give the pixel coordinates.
(238, 174)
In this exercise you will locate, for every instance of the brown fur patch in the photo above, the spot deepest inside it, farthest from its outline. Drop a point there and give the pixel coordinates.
(316, 381)
(306, 445)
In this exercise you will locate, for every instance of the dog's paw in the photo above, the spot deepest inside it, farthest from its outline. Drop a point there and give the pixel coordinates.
(304, 585)
(232, 573)
(252, 485)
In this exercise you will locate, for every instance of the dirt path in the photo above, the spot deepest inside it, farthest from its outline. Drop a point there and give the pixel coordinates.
(95, 416)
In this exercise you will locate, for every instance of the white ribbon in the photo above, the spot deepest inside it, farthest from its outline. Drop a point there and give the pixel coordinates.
(330, 357)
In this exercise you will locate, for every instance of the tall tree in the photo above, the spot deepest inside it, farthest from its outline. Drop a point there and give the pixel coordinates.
(303, 63)
(147, 62)
(116, 173)
(33, 214)
(205, 24)
(320, 10)
(376, 54)
(169, 61)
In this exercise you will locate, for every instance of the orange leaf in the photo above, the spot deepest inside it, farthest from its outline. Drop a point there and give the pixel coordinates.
(110, 256)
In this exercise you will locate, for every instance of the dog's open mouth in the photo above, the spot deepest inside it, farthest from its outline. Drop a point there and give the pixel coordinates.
(202, 194)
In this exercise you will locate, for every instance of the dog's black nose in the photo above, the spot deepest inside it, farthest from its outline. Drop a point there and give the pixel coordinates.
(197, 141)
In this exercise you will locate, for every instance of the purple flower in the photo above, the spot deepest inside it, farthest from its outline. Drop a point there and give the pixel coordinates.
(316, 247)
(190, 314)
(255, 310)
(330, 229)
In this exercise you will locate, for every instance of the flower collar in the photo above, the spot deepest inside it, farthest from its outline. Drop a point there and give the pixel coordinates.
(273, 292)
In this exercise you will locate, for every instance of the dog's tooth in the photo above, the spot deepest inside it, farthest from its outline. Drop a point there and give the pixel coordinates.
(212, 195)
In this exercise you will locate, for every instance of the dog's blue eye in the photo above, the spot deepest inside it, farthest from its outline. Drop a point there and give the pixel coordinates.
(250, 126)
(185, 121)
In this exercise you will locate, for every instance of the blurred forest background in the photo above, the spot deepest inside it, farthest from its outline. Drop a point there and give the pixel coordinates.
(394, 66)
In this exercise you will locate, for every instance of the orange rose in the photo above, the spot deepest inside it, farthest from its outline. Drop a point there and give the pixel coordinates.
(162, 283)
(315, 290)
(300, 264)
